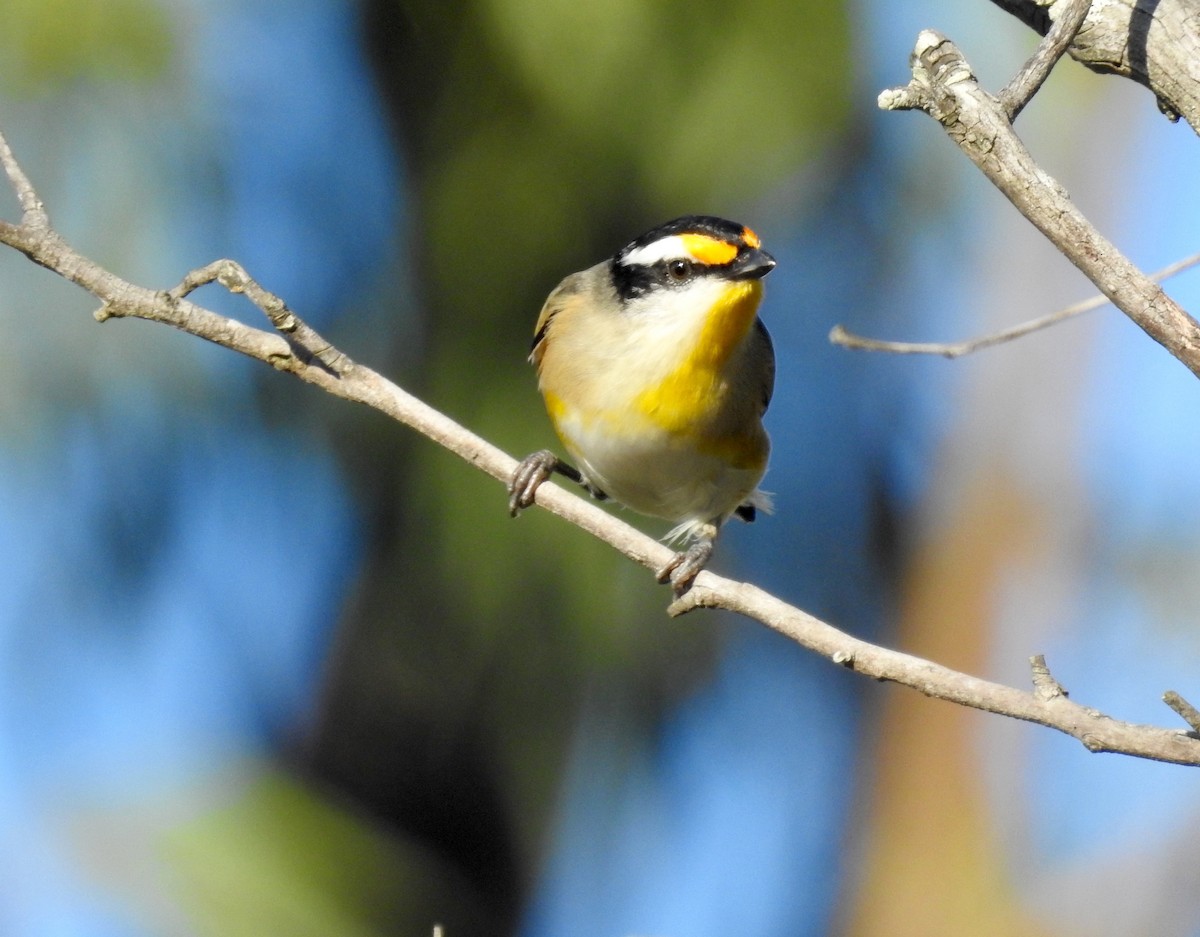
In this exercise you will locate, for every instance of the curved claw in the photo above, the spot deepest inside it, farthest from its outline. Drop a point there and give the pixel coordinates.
(684, 567)
(534, 469)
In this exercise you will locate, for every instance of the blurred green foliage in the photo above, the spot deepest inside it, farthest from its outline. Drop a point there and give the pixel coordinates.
(278, 859)
(698, 99)
(48, 43)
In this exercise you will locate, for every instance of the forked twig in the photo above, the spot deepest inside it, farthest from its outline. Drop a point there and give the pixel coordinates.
(1025, 84)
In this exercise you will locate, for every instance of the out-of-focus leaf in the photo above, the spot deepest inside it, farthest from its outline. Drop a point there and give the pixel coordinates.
(46, 43)
(280, 860)
(705, 98)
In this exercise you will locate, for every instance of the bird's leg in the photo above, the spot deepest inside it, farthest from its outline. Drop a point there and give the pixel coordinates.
(535, 469)
(684, 567)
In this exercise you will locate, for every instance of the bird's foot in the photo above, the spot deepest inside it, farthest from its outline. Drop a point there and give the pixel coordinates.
(684, 567)
(535, 469)
(528, 477)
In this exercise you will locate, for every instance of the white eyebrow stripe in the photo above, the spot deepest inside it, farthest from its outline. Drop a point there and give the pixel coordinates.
(668, 248)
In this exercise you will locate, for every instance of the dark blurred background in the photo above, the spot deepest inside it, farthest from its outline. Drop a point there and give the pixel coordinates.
(270, 664)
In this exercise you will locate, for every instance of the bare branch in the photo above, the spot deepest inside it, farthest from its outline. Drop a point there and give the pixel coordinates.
(1045, 687)
(231, 275)
(1096, 731)
(839, 335)
(1186, 710)
(32, 210)
(360, 384)
(1025, 84)
(944, 87)
(1155, 44)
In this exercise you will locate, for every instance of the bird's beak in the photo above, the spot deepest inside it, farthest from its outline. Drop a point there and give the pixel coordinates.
(752, 264)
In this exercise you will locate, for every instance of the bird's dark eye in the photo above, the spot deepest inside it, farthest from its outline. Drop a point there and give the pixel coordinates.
(678, 270)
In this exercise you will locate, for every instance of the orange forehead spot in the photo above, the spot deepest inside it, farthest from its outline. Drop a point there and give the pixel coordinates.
(708, 250)
(751, 238)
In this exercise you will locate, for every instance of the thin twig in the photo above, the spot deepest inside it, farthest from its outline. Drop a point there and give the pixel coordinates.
(1025, 84)
(233, 276)
(1098, 733)
(1045, 687)
(32, 209)
(838, 335)
(1189, 713)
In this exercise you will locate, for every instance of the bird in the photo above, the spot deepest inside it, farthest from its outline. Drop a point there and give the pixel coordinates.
(656, 370)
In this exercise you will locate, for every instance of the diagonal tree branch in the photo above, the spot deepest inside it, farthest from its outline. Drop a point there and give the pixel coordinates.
(1154, 43)
(944, 86)
(303, 353)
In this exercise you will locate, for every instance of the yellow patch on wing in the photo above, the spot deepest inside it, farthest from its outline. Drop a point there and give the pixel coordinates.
(555, 406)
(708, 250)
(560, 414)
(686, 398)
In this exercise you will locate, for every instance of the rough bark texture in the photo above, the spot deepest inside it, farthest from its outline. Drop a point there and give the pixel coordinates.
(1154, 42)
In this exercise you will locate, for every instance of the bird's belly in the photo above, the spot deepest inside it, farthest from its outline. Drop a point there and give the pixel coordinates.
(667, 475)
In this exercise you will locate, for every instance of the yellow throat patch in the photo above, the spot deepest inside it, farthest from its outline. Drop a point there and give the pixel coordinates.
(695, 387)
